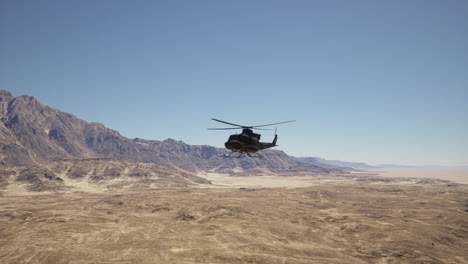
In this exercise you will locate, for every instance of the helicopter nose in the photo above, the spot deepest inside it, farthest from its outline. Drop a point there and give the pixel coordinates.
(233, 144)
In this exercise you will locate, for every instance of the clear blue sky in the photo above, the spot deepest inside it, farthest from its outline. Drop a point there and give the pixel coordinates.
(371, 81)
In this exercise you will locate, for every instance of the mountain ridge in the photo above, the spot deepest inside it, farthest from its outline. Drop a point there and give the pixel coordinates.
(339, 163)
(32, 133)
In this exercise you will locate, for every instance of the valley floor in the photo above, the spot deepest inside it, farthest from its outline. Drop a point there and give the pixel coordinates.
(459, 175)
(318, 220)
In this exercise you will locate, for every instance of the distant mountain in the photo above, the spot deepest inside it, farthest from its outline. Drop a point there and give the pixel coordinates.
(34, 134)
(396, 166)
(363, 166)
(333, 163)
(315, 161)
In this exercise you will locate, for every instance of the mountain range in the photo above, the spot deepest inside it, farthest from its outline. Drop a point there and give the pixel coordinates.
(364, 166)
(33, 134)
(339, 163)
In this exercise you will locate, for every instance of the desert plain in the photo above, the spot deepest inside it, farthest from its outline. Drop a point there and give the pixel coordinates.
(354, 218)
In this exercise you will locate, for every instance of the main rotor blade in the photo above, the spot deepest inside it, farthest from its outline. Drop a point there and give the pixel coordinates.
(266, 129)
(226, 122)
(273, 124)
(254, 127)
(228, 128)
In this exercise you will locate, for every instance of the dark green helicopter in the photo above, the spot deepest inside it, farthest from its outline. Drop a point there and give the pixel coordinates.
(248, 142)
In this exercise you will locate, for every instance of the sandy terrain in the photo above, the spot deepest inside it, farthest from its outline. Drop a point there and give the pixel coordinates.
(243, 220)
(459, 175)
(226, 181)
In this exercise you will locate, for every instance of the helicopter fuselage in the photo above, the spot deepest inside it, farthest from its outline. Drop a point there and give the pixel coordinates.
(247, 142)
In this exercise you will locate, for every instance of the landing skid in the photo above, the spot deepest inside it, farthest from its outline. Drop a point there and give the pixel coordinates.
(240, 154)
(254, 156)
(230, 155)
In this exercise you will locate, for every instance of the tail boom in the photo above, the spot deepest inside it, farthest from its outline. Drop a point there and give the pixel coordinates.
(265, 145)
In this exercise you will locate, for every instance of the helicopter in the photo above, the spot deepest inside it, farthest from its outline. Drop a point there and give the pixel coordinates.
(248, 142)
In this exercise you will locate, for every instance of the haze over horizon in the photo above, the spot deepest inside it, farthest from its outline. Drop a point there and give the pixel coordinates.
(375, 82)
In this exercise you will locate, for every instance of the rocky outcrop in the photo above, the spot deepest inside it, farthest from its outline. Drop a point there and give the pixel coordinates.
(95, 175)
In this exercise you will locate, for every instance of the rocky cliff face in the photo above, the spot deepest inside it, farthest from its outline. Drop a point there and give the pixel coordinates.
(32, 133)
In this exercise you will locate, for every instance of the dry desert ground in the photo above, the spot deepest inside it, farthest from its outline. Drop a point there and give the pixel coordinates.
(317, 219)
(459, 175)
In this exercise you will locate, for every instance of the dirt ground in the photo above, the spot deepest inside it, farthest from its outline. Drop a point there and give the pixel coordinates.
(316, 220)
(459, 175)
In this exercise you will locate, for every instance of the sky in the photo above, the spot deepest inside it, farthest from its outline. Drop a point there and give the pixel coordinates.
(367, 81)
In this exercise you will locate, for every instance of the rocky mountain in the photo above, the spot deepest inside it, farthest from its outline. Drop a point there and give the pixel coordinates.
(32, 133)
(35, 134)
